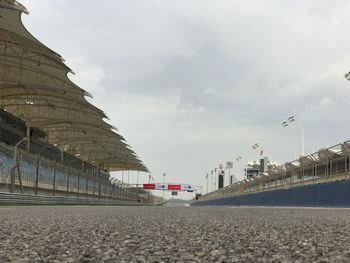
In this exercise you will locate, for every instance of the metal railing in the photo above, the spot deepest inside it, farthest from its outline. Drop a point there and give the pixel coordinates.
(35, 174)
(25, 199)
(327, 165)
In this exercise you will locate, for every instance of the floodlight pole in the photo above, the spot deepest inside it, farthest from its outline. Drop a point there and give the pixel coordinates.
(215, 170)
(293, 119)
(239, 158)
(285, 124)
(207, 182)
(302, 138)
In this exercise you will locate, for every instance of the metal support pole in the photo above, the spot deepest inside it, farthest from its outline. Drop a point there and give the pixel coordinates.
(78, 184)
(302, 139)
(330, 164)
(346, 166)
(207, 183)
(163, 183)
(54, 179)
(37, 175)
(215, 179)
(19, 177)
(13, 178)
(118, 191)
(67, 193)
(105, 183)
(82, 166)
(94, 189)
(15, 163)
(99, 185)
(62, 156)
(87, 174)
(113, 188)
(229, 176)
(314, 172)
(28, 136)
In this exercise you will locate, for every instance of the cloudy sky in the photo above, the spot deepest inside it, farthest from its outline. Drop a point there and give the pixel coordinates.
(194, 83)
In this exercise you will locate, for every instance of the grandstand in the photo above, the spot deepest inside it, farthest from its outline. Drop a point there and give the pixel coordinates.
(52, 140)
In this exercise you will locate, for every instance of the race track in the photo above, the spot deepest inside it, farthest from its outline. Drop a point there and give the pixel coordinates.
(156, 234)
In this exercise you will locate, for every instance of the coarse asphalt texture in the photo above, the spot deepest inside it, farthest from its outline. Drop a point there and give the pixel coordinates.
(173, 234)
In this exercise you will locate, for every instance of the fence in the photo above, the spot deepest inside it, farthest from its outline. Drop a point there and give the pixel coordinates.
(325, 166)
(34, 174)
(25, 199)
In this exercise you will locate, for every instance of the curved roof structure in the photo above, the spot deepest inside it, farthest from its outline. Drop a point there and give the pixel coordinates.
(34, 86)
(324, 154)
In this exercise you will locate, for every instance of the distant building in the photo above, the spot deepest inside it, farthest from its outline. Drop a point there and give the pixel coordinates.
(255, 168)
(252, 168)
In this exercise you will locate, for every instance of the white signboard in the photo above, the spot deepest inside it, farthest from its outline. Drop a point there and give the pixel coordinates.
(188, 187)
(161, 187)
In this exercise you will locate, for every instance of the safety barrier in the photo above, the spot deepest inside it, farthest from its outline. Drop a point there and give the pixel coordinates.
(325, 194)
(25, 199)
(325, 166)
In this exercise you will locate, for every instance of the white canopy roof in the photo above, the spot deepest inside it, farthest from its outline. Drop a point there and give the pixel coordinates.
(34, 87)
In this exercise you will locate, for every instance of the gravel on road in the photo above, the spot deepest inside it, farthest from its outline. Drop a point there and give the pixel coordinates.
(159, 234)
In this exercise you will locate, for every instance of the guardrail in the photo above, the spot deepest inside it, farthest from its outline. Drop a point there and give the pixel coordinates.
(25, 199)
(288, 184)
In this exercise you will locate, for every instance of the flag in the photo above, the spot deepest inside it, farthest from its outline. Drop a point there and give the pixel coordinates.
(261, 152)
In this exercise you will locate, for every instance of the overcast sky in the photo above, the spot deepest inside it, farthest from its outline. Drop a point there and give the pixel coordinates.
(194, 83)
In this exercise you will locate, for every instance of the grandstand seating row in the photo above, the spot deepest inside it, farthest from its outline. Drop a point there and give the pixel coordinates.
(64, 173)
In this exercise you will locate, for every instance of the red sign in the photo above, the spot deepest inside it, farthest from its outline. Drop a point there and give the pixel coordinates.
(174, 187)
(149, 186)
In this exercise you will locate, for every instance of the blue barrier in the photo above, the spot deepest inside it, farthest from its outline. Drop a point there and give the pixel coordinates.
(330, 194)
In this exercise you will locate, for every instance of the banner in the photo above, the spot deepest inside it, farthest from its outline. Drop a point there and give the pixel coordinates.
(174, 187)
(170, 187)
(149, 186)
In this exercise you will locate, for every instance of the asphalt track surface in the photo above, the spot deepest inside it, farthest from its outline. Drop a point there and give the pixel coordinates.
(156, 234)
